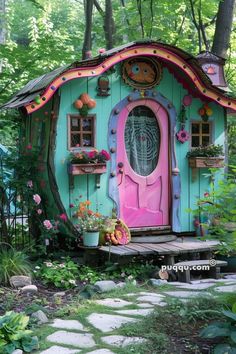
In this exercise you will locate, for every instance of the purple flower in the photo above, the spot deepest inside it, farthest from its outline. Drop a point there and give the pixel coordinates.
(182, 136)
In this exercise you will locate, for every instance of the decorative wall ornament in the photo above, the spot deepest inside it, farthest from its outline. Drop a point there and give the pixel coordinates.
(103, 86)
(205, 112)
(182, 136)
(84, 103)
(142, 72)
(187, 100)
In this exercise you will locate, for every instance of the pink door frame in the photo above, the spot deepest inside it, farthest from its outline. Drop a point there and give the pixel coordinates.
(174, 176)
(144, 200)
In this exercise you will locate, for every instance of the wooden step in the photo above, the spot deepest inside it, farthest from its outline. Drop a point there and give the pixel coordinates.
(157, 230)
(153, 239)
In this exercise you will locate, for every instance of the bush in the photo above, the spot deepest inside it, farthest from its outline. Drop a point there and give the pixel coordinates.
(14, 335)
(13, 262)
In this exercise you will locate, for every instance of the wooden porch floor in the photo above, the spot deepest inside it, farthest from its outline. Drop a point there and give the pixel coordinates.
(175, 248)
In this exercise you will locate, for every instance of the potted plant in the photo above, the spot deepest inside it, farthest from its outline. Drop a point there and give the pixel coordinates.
(88, 162)
(89, 224)
(206, 156)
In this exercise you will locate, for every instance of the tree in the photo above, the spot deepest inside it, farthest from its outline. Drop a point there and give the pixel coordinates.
(88, 12)
(223, 28)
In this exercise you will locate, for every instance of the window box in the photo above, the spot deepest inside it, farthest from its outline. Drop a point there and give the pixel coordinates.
(87, 168)
(206, 162)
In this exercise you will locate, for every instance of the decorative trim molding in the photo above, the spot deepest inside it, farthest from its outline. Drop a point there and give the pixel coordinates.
(142, 50)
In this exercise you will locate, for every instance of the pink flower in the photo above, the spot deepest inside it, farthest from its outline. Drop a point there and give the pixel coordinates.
(29, 147)
(206, 195)
(63, 217)
(71, 205)
(47, 224)
(37, 198)
(105, 154)
(92, 154)
(182, 136)
(39, 211)
(30, 184)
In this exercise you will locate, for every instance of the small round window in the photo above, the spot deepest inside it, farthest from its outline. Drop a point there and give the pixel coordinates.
(142, 140)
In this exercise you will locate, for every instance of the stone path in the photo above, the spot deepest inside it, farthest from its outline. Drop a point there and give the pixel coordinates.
(99, 328)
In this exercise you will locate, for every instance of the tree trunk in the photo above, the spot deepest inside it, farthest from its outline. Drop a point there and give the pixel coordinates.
(223, 28)
(87, 46)
(2, 26)
(109, 25)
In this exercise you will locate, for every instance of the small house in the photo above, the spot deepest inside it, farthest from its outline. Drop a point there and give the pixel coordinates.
(147, 104)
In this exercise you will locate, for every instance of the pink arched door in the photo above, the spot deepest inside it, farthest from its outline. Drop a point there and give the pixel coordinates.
(143, 155)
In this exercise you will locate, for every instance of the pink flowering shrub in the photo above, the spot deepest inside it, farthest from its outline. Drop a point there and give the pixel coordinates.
(37, 199)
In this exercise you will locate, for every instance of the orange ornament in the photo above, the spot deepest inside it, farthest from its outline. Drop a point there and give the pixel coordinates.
(78, 104)
(91, 104)
(85, 98)
(209, 112)
(202, 112)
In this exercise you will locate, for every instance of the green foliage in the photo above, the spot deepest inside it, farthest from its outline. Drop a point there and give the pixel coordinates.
(226, 329)
(206, 151)
(60, 274)
(14, 333)
(13, 262)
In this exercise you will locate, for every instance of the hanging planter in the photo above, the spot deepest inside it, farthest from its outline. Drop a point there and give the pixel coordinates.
(84, 103)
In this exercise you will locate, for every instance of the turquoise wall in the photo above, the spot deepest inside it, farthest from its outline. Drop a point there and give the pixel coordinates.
(84, 186)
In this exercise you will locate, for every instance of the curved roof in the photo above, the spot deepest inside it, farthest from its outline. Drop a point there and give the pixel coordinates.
(184, 66)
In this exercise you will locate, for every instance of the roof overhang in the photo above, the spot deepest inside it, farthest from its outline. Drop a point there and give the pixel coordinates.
(182, 61)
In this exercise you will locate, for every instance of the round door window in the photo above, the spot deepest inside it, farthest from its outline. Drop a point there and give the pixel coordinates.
(142, 140)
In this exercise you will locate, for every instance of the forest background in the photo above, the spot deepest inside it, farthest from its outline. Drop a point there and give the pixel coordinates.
(37, 36)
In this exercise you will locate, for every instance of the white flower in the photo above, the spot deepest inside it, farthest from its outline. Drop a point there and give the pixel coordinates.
(72, 281)
(37, 267)
(62, 265)
(122, 275)
(130, 277)
(48, 264)
(35, 271)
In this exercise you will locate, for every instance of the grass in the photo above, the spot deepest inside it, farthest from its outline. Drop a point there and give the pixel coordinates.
(172, 329)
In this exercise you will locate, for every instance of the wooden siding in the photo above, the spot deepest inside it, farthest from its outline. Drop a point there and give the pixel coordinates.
(85, 185)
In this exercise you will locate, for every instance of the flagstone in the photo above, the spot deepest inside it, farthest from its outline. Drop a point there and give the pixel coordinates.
(150, 298)
(113, 302)
(81, 340)
(55, 349)
(186, 294)
(145, 305)
(122, 341)
(151, 294)
(107, 323)
(101, 351)
(67, 324)
(226, 289)
(196, 286)
(136, 312)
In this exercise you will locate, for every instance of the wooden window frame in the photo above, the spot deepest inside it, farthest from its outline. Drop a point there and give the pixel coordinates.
(200, 134)
(81, 132)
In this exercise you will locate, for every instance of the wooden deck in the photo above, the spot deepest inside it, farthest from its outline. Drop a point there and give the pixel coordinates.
(172, 248)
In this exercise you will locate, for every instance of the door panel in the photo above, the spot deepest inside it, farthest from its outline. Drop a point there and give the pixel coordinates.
(142, 147)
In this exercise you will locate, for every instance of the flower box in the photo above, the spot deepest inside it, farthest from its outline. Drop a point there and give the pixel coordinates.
(206, 162)
(89, 168)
